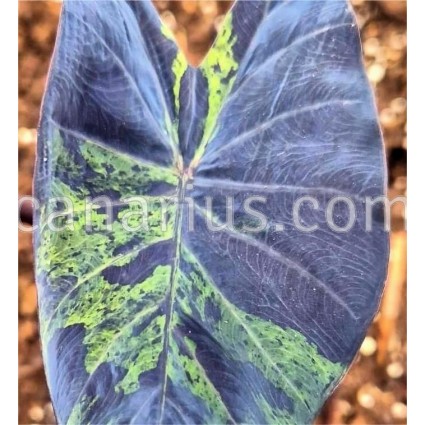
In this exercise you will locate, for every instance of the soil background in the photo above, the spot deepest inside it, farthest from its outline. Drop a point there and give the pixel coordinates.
(374, 390)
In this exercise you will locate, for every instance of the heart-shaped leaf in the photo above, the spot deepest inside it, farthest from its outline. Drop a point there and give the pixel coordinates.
(155, 306)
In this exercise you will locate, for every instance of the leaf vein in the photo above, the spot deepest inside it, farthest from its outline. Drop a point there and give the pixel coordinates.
(271, 253)
(246, 135)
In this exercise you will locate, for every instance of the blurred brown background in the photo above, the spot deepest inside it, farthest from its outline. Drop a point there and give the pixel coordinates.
(374, 390)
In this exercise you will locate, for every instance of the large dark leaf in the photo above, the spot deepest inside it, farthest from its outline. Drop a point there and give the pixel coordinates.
(215, 324)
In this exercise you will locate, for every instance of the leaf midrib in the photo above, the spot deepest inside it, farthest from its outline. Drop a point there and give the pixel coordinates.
(170, 310)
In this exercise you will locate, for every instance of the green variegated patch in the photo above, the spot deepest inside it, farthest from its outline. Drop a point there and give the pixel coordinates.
(179, 67)
(219, 68)
(284, 356)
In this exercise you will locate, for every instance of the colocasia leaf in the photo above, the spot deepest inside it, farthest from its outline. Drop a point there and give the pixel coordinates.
(176, 313)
